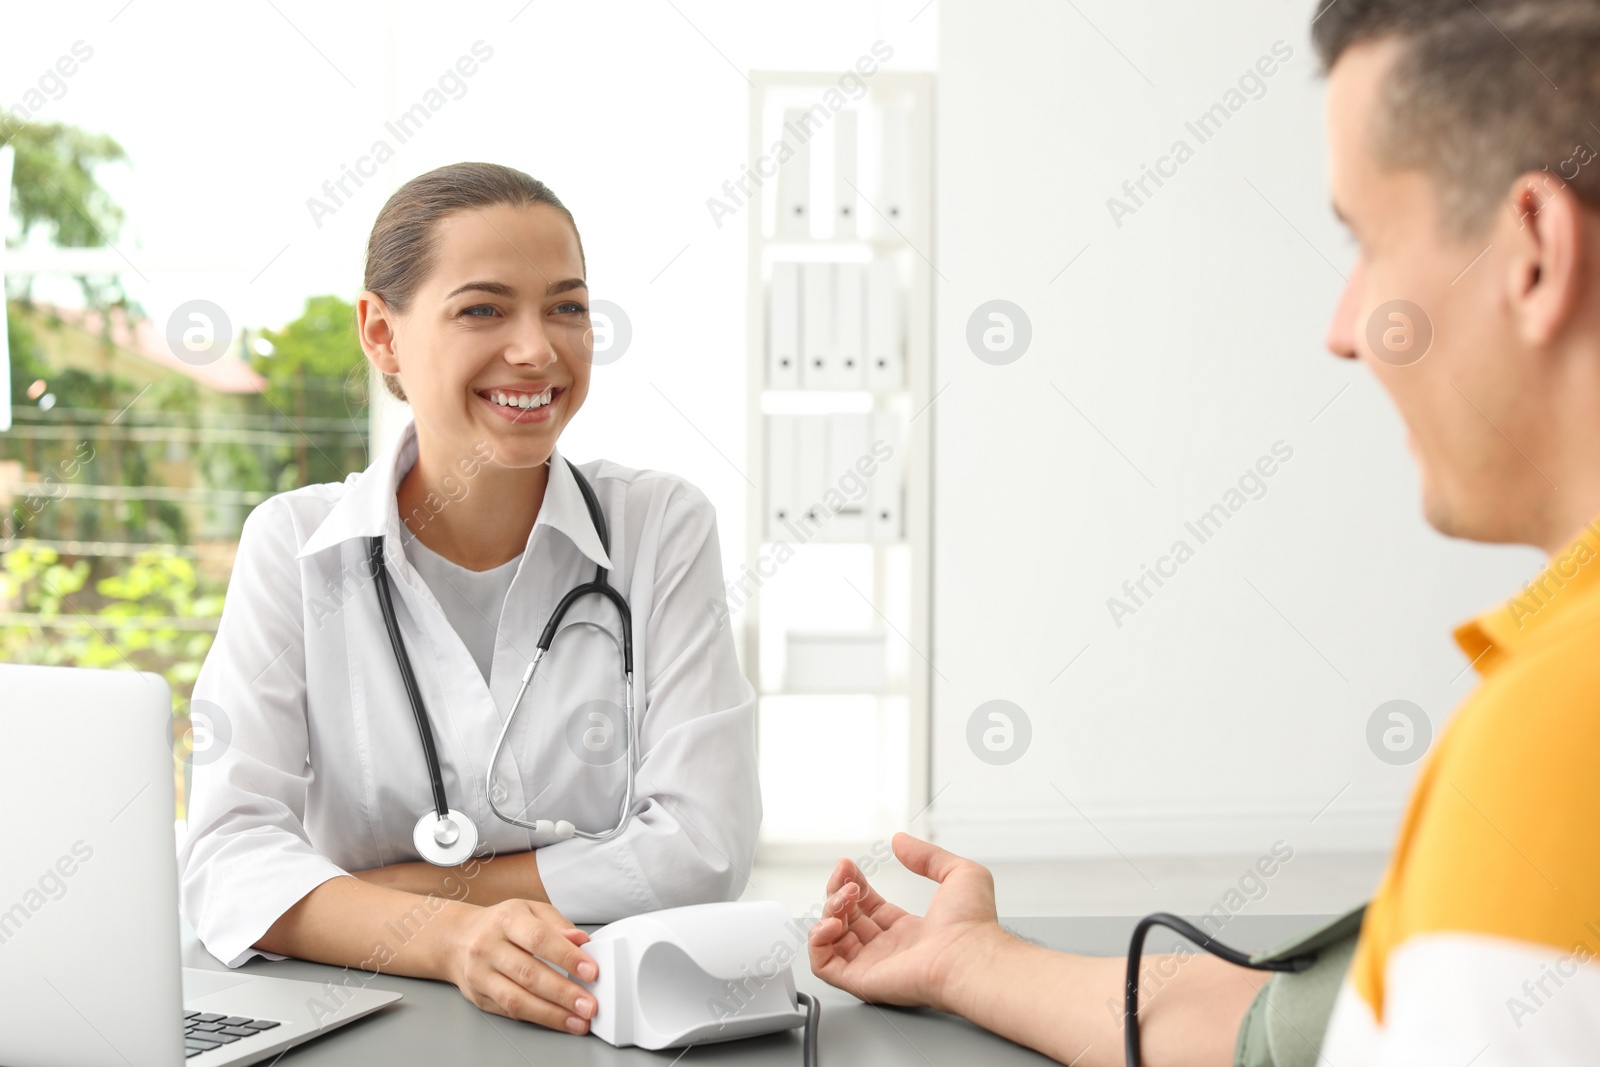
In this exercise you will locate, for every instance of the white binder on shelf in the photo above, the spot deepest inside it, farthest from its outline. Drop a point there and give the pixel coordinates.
(885, 337)
(811, 476)
(783, 503)
(887, 519)
(892, 219)
(849, 449)
(794, 184)
(783, 327)
(816, 325)
(846, 150)
(849, 328)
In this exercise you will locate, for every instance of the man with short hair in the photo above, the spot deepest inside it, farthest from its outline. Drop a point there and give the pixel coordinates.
(1462, 158)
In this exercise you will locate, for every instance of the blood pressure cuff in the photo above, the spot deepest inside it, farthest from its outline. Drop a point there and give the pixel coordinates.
(1285, 1023)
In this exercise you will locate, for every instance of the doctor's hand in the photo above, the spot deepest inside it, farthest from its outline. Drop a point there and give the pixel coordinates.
(500, 958)
(881, 953)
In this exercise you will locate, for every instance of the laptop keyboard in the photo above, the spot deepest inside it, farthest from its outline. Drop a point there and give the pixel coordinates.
(204, 1031)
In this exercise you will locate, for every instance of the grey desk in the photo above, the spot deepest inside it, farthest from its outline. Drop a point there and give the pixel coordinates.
(434, 1024)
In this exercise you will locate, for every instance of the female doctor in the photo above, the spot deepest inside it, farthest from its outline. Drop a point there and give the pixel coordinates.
(315, 812)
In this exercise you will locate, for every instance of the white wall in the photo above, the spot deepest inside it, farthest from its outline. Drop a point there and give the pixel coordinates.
(1190, 340)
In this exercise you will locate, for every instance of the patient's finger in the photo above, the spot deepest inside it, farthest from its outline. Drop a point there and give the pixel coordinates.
(847, 872)
(846, 906)
(841, 903)
(848, 945)
(842, 873)
(926, 858)
(824, 938)
(830, 946)
(831, 937)
(872, 906)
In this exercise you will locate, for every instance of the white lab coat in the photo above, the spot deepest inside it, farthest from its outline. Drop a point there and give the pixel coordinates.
(315, 768)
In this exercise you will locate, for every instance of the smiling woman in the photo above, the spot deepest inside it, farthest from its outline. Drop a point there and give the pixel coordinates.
(304, 834)
(475, 295)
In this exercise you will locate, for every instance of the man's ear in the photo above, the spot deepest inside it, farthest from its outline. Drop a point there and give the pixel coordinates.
(375, 330)
(1551, 262)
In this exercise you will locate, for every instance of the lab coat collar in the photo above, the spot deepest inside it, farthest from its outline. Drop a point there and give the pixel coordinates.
(369, 506)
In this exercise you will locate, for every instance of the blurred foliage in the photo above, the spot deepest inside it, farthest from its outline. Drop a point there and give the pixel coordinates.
(309, 425)
(74, 389)
(55, 189)
(319, 347)
(126, 619)
(315, 400)
(316, 371)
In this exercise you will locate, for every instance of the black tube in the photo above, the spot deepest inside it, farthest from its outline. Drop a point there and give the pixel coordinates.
(380, 576)
(599, 585)
(596, 516)
(1130, 1006)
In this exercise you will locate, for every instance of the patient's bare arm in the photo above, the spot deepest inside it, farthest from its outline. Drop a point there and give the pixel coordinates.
(958, 959)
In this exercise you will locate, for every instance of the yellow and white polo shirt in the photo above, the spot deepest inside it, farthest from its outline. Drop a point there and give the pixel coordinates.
(1479, 947)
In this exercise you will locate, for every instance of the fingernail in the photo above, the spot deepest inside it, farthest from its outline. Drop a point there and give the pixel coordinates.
(587, 971)
(575, 1024)
(585, 1007)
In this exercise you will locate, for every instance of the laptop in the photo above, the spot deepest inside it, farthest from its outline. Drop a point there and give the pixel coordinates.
(90, 963)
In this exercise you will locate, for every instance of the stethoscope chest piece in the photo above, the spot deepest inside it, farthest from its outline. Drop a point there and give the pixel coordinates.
(446, 842)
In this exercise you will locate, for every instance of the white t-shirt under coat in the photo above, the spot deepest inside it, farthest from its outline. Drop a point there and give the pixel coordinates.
(471, 599)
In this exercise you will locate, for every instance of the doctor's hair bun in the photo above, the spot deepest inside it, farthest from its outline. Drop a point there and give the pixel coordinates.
(401, 251)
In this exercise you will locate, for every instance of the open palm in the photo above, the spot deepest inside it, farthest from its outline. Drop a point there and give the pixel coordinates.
(882, 953)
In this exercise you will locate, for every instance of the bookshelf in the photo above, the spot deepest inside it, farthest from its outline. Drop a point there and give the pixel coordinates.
(832, 603)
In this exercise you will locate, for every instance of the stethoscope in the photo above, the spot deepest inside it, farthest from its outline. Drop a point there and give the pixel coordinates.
(444, 836)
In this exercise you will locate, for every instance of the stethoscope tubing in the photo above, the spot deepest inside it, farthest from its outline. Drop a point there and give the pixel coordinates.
(599, 586)
(380, 575)
(541, 824)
